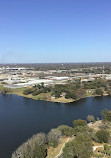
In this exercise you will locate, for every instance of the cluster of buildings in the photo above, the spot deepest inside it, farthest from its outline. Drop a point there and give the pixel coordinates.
(22, 77)
(19, 77)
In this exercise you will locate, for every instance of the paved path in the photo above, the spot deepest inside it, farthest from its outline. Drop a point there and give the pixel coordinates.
(94, 148)
(61, 151)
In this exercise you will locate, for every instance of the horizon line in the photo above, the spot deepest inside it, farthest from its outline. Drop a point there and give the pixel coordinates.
(57, 62)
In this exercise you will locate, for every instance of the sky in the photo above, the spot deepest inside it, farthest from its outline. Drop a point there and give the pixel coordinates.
(55, 31)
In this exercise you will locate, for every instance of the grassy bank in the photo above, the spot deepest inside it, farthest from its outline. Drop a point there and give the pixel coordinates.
(46, 96)
(42, 96)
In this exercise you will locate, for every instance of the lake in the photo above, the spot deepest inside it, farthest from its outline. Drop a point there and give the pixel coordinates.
(20, 117)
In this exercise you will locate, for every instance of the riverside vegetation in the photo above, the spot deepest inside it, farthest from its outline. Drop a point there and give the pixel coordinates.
(92, 140)
(69, 92)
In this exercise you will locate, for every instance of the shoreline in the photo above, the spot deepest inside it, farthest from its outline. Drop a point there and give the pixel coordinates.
(57, 100)
(47, 96)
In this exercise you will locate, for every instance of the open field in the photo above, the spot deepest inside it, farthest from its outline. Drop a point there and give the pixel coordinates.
(62, 100)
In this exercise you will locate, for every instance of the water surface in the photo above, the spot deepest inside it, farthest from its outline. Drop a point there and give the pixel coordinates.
(20, 117)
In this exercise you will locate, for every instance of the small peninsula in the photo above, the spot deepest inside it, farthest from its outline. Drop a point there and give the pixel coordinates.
(63, 93)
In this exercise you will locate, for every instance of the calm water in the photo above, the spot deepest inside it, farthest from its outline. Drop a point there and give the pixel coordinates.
(20, 117)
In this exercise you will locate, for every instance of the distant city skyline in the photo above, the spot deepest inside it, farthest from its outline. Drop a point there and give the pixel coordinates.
(58, 31)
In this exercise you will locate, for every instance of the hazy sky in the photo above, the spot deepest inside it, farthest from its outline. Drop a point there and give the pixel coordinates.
(36, 31)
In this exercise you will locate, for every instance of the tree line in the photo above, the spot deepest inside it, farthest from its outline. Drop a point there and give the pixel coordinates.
(72, 89)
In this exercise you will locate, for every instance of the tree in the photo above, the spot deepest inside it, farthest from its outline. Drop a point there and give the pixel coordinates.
(53, 137)
(80, 147)
(71, 95)
(38, 86)
(27, 91)
(66, 130)
(5, 90)
(90, 118)
(68, 95)
(99, 91)
(40, 139)
(27, 152)
(39, 152)
(106, 115)
(82, 129)
(79, 122)
(42, 85)
(103, 136)
(33, 148)
(81, 93)
(86, 131)
(109, 91)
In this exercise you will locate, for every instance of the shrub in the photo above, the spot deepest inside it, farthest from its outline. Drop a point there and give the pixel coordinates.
(66, 130)
(104, 125)
(35, 93)
(79, 122)
(103, 136)
(90, 118)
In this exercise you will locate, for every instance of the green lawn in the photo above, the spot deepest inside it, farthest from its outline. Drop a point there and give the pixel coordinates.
(1, 87)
